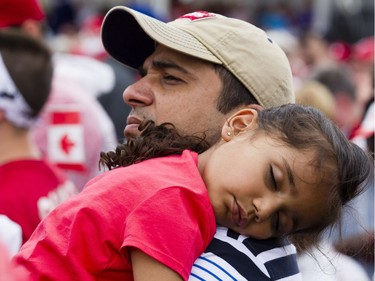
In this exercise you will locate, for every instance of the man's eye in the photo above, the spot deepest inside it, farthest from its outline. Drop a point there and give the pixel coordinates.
(170, 78)
(272, 178)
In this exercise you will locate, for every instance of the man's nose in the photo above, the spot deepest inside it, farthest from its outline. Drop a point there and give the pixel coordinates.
(138, 94)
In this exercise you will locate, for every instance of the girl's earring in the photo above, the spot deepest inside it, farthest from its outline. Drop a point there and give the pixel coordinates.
(228, 133)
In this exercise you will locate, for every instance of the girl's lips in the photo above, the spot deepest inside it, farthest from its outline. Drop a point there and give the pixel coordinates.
(239, 216)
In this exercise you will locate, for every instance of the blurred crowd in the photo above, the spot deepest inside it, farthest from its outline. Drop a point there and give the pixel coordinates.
(329, 44)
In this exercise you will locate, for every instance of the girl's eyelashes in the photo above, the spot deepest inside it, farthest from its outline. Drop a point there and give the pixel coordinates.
(272, 178)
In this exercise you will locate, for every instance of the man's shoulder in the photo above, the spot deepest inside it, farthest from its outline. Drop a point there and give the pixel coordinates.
(231, 256)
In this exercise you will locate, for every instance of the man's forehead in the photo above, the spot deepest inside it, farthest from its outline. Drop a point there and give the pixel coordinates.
(166, 53)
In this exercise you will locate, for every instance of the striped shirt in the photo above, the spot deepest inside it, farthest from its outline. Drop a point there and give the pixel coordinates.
(231, 256)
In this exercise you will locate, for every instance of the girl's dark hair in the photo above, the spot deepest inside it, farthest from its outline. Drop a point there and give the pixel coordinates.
(154, 141)
(344, 166)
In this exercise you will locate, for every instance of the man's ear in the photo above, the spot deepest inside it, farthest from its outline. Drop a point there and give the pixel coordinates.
(240, 121)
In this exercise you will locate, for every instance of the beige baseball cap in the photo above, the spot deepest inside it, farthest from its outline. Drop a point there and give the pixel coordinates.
(245, 50)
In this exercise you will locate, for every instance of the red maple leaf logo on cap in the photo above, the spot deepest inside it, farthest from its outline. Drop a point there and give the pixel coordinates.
(197, 15)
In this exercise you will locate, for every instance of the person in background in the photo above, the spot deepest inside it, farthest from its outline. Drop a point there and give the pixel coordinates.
(315, 94)
(7, 272)
(306, 172)
(358, 235)
(315, 51)
(73, 127)
(10, 235)
(339, 80)
(87, 42)
(30, 186)
(358, 240)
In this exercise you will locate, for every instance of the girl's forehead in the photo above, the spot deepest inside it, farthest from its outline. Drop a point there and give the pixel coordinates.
(309, 169)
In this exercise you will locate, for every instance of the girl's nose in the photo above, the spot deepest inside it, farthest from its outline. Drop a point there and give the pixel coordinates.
(266, 207)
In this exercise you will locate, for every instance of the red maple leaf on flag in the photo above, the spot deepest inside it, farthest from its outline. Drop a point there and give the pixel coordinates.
(66, 144)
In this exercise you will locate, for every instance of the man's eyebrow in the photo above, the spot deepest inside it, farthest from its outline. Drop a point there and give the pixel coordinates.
(160, 64)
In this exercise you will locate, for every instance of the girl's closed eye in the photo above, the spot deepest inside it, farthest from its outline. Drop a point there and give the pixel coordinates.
(272, 178)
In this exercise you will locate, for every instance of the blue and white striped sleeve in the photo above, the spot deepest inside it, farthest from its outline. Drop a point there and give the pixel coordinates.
(231, 256)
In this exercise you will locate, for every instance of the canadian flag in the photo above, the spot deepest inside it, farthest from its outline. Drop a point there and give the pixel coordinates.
(66, 139)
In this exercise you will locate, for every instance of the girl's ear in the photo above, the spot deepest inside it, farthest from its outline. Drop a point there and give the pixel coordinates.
(240, 121)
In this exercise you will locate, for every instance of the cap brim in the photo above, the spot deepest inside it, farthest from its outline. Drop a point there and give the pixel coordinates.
(124, 39)
(130, 37)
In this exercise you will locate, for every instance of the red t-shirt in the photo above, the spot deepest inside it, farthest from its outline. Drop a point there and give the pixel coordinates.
(160, 206)
(29, 189)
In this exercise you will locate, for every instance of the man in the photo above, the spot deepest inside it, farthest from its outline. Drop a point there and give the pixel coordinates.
(197, 71)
